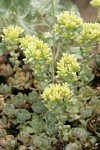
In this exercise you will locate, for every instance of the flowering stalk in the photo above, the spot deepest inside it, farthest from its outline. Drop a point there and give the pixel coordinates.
(89, 36)
(53, 51)
(11, 39)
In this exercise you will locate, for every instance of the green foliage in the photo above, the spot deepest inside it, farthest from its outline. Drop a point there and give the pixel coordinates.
(36, 125)
(98, 60)
(2, 133)
(23, 137)
(19, 100)
(31, 15)
(39, 107)
(9, 109)
(34, 97)
(22, 115)
(5, 89)
(43, 142)
(86, 75)
(2, 49)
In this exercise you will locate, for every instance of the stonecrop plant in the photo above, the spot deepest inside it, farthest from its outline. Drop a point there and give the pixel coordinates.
(67, 68)
(37, 54)
(56, 95)
(47, 101)
(11, 36)
(90, 35)
(68, 25)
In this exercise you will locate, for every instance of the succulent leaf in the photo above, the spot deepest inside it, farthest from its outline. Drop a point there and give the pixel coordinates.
(9, 110)
(23, 115)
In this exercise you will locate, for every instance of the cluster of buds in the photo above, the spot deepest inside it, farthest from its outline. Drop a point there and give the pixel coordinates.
(95, 3)
(67, 68)
(36, 52)
(68, 25)
(90, 34)
(55, 95)
(11, 36)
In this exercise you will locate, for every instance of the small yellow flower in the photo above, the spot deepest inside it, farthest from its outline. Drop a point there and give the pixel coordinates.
(67, 68)
(47, 35)
(90, 34)
(36, 52)
(55, 94)
(68, 25)
(11, 35)
(95, 3)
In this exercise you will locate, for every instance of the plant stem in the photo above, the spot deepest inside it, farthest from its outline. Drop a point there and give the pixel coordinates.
(99, 15)
(53, 11)
(53, 50)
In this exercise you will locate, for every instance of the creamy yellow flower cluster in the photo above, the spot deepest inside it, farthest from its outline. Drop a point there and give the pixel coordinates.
(95, 3)
(68, 24)
(36, 52)
(11, 36)
(90, 34)
(67, 68)
(55, 95)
